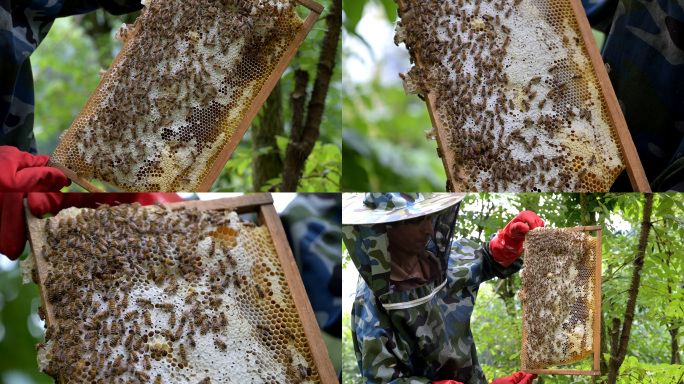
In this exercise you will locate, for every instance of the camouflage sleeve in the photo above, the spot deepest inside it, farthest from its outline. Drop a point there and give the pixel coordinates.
(483, 260)
(115, 7)
(372, 343)
(312, 223)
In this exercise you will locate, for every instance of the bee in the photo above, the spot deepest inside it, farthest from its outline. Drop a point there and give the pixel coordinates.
(505, 29)
(215, 302)
(541, 103)
(289, 333)
(168, 262)
(199, 320)
(168, 306)
(205, 328)
(118, 360)
(128, 316)
(532, 95)
(591, 160)
(259, 291)
(222, 267)
(220, 343)
(184, 318)
(129, 340)
(172, 319)
(144, 376)
(582, 173)
(158, 379)
(223, 320)
(147, 364)
(144, 302)
(204, 381)
(148, 320)
(191, 341)
(195, 309)
(108, 276)
(183, 355)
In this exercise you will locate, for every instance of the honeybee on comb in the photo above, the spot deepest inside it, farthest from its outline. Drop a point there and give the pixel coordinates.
(489, 69)
(87, 323)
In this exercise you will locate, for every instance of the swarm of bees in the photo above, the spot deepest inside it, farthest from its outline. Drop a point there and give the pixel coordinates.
(515, 92)
(111, 317)
(558, 297)
(186, 75)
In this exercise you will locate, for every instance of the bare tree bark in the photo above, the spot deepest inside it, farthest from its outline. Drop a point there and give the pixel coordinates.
(674, 345)
(271, 124)
(618, 353)
(302, 141)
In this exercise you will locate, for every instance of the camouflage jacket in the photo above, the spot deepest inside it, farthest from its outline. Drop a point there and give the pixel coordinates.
(423, 335)
(23, 26)
(312, 222)
(645, 53)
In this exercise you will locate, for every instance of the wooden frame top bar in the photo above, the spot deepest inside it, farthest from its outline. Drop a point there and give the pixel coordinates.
(262, 204)
(596, 364)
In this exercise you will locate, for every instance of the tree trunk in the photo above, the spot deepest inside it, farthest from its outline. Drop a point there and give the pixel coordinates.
(268, 166)
(302, 140)
(674, 345)
(618, 353)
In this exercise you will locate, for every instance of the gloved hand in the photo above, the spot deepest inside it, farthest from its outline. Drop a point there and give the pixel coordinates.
(508, 243)
(516, 378)
(13, 222)
(24, 172)
(447, 382)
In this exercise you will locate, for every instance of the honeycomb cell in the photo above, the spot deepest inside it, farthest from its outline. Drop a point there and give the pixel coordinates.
(557, 293)
(159, 117)
(515, 92)
(169, 293)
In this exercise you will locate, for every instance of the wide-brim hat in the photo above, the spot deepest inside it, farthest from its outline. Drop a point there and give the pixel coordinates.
(378, 208)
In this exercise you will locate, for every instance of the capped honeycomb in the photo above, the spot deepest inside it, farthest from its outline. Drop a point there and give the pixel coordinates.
(186, 75)
(143, 294)
(512, 87)
(558, 297)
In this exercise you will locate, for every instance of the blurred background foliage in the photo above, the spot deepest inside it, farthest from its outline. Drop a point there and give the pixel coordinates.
(384, 145)
(66, 67)
(655, 345)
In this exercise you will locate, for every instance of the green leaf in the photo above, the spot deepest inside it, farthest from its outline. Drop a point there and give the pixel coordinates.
(353, 11)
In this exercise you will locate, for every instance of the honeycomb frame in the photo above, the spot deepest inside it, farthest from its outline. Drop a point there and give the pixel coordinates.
(166, 165)
(596, 323)
(262, 205)
(462, 178)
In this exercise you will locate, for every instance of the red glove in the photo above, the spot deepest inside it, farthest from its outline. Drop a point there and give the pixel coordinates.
(516, 378)
(446, 382)
(13, 222)
(508, 243)
(24, 172)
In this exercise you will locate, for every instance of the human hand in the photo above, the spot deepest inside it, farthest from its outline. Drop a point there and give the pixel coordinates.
(24, 172)
(516, 378)
(13, 221)
(508, 243)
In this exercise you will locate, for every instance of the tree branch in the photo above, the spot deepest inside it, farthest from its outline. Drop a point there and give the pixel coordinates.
(616, 359)
(302, 141)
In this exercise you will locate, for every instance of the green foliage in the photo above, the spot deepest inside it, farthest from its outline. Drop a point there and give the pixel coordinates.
(384, 146)
(633, 371)
(350, 369)
(20, 329)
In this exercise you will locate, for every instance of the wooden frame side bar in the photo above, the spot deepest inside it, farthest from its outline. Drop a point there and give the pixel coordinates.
(73, 176)
(260, 98)
(36, 241)
(269, 217)
(596, 369)
(635, 170)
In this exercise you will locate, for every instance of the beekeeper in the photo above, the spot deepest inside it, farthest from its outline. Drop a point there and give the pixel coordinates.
(411, 315)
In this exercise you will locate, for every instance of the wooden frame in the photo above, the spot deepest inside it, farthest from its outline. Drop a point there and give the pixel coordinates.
(596, 370)
(240, 130)
(635, 170)
(262, 204)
